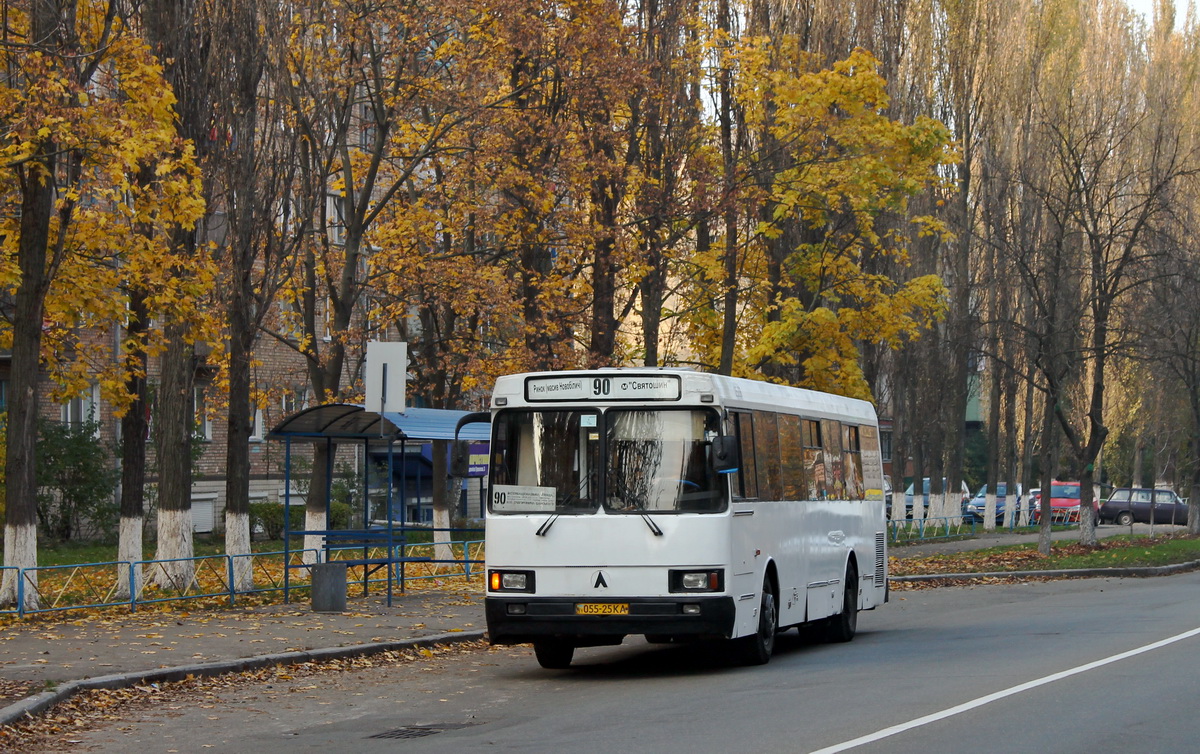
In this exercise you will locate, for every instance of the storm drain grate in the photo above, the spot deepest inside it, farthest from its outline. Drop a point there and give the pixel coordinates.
(420, 731)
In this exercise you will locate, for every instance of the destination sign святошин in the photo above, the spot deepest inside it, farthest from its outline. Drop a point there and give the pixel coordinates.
(601, 387)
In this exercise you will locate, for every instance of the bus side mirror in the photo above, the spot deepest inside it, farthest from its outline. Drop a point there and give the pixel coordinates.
(460, 458)
(724, 454)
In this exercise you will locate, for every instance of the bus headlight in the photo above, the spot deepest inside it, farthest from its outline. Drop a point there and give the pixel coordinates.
(711, 580)
(510, 581)
(695, 580)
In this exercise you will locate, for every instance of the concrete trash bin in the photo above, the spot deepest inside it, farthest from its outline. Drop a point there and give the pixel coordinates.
(329, 587)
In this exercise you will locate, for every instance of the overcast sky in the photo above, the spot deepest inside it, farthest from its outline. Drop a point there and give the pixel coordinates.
(1146, 8)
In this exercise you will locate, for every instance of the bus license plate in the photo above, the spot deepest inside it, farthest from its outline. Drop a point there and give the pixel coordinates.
(602, 608)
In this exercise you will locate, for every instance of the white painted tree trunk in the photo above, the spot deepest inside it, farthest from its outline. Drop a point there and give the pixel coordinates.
(898, 511)
(989, 512)
(20, 551)
(130, 550)
(1010, 509)
(314, 544)
(918, 509)
(441, 539)
(943, 511)
(174, 549)
(237, 542)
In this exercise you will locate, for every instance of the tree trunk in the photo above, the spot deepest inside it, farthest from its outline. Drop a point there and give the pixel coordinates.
(1047, 474)
(37, 207)
(134, 429)
(729, 160)
(237, 449)
(20, 530)
(1138, 452)
(960, 334)
(918, 499)
(1014, 502)
(994, 453)
(316, 504)
(173, 32)
(442, 503)
(174, 419)
(1193, 519)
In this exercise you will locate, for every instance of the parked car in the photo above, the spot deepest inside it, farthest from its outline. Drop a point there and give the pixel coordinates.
(965, 495)
(975, 508)
(1141, 504)
(1064, 503)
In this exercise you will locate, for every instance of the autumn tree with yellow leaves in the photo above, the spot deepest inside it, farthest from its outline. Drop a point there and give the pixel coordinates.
(84, 107)
(829, 165)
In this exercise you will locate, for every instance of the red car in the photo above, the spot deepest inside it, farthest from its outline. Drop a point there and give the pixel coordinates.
(1064, 503)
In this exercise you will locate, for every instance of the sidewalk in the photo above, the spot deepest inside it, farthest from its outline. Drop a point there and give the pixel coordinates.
(122, 649)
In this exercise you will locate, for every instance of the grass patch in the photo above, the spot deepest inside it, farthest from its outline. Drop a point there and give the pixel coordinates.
(1114, 552)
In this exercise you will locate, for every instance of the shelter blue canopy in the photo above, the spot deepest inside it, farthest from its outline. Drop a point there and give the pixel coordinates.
(347, 421)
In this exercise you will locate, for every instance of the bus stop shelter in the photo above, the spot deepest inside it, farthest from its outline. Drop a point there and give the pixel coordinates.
(376, 433)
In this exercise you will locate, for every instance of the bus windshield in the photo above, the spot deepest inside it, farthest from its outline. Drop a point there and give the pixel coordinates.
(556, 461)
(658, 461)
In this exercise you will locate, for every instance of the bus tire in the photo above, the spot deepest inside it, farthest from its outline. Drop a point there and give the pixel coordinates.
(757, 648)
(553, 654)
(842, 627)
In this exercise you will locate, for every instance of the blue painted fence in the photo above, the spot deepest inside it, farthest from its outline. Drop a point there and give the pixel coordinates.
(108, 584)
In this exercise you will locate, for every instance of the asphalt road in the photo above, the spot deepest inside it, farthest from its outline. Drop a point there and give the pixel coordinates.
(1065, 666)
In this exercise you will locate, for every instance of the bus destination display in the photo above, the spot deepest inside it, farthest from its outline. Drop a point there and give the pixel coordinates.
(620, 387)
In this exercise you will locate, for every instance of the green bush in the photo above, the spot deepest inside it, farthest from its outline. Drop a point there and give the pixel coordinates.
(76, 482)
(267, 518)
(339, 515)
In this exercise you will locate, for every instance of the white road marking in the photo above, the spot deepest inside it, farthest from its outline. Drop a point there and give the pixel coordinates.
(981, 701)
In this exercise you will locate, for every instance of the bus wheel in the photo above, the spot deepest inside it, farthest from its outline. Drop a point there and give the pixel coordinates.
(841, 627)
(553, 654)
(756, 649)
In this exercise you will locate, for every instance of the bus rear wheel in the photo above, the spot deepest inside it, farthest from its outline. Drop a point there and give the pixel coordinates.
(842, 627)
(553, 654)
(757, 648)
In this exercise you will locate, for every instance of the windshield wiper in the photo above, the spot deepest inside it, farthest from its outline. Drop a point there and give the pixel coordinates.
(545, 527)
(653, 526)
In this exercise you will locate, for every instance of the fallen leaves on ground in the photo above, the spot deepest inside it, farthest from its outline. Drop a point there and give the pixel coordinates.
(14, 691)
(967, 562)
(993, 561)
(90, 709)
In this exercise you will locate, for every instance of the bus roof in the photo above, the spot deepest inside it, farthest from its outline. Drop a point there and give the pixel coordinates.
(680, 386)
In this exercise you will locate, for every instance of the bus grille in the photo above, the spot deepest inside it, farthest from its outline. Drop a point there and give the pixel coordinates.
(880, 558)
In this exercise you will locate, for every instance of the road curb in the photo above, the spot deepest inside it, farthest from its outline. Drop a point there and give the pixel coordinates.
(1080, 573)
(40, 703)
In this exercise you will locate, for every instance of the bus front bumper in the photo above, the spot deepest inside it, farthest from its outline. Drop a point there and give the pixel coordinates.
(520, 619)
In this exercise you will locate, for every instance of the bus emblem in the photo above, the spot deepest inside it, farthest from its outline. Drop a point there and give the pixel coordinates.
(600, 582)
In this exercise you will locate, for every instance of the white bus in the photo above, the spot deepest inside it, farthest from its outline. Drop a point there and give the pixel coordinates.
(678, 505)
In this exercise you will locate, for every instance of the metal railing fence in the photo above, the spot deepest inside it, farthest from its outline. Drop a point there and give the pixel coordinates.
(124, 584)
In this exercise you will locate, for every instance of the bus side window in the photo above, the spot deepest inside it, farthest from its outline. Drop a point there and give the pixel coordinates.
(831, 434)
(746, 483)
(870, 462)
(814, 459)
(791, 458)
(852, 462)
(766, 459)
